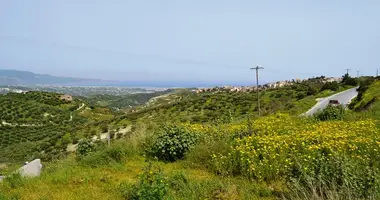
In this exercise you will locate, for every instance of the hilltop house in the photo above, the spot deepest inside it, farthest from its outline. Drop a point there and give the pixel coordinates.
(66, 97)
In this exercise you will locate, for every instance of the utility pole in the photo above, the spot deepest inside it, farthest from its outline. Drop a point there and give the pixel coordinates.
(357, 73)
(109, 136)
(257, 87)
(377, 72)
(347, 70)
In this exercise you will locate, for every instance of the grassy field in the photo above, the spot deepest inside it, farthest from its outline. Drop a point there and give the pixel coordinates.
(68, 180)
(276, 157)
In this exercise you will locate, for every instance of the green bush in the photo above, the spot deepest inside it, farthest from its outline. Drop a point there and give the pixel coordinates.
(171, 143)
(151, 185)
(85, 147)
(75, 140)
(334, 86)
(347, 80)
(208, 145)
(178, 181)
(330, 113)
(105, 156)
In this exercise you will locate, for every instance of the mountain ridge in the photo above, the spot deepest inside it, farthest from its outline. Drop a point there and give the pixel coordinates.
(19, 77)
(27, 78)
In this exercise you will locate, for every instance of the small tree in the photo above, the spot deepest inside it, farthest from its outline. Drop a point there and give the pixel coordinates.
(347, 80)
(85, 147)
(104, 129)
(331, 113)
(334, 86)
(66, 139)
(172, 143)
(312, 90)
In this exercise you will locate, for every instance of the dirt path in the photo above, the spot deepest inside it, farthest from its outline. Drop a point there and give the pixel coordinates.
(80, 107)
(4, 123)
(103, 136)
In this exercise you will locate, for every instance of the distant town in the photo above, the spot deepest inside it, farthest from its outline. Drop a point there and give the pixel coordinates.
(271, 85)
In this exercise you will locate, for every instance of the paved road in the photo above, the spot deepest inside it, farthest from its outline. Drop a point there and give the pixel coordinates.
(344, 98)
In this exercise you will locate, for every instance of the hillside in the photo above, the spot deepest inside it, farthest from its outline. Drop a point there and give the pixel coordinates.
(368, 98)
(38, 124)
(282, 157)
(187, 145)
(367, 104)
(127, 101)
(226, 106)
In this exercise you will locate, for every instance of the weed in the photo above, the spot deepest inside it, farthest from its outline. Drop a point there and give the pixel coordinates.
(109, 155)
(151, 185)
(14, 180)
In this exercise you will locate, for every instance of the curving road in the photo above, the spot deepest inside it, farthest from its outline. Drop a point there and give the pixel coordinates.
(344, 98)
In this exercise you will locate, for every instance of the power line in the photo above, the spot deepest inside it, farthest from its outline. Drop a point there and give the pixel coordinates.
(257, 87)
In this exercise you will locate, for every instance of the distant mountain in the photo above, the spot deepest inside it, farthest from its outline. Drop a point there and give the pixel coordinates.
(15, 77)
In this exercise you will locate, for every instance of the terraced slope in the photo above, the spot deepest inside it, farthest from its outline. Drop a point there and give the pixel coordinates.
(34, 124)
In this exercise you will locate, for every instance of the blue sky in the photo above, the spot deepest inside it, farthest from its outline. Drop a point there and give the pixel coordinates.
(190, 40)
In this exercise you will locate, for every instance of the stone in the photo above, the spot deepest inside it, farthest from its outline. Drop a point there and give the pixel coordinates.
(31, 169)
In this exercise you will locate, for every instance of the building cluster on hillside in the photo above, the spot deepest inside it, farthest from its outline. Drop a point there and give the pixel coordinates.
(6, 90)
(272, 85)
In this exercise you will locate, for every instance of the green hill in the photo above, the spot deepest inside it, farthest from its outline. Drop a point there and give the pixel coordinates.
(369, 95)
(123, 101)
(42, 125)
(226, 106)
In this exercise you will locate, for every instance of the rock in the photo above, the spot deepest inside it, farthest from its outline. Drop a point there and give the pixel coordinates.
(31, 169)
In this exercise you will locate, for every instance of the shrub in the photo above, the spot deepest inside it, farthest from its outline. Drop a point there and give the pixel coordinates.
(151, 185)
(66, 139)
(334, 177)
(178, 181)
(311, 90)
(334, 86)
(347, 80)
(109, 155)
(171, 143)
(329, 156)
(85, 147)
(212, 140)
(75, 140)
(330, 113)
(104, 129)
(119, 135)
